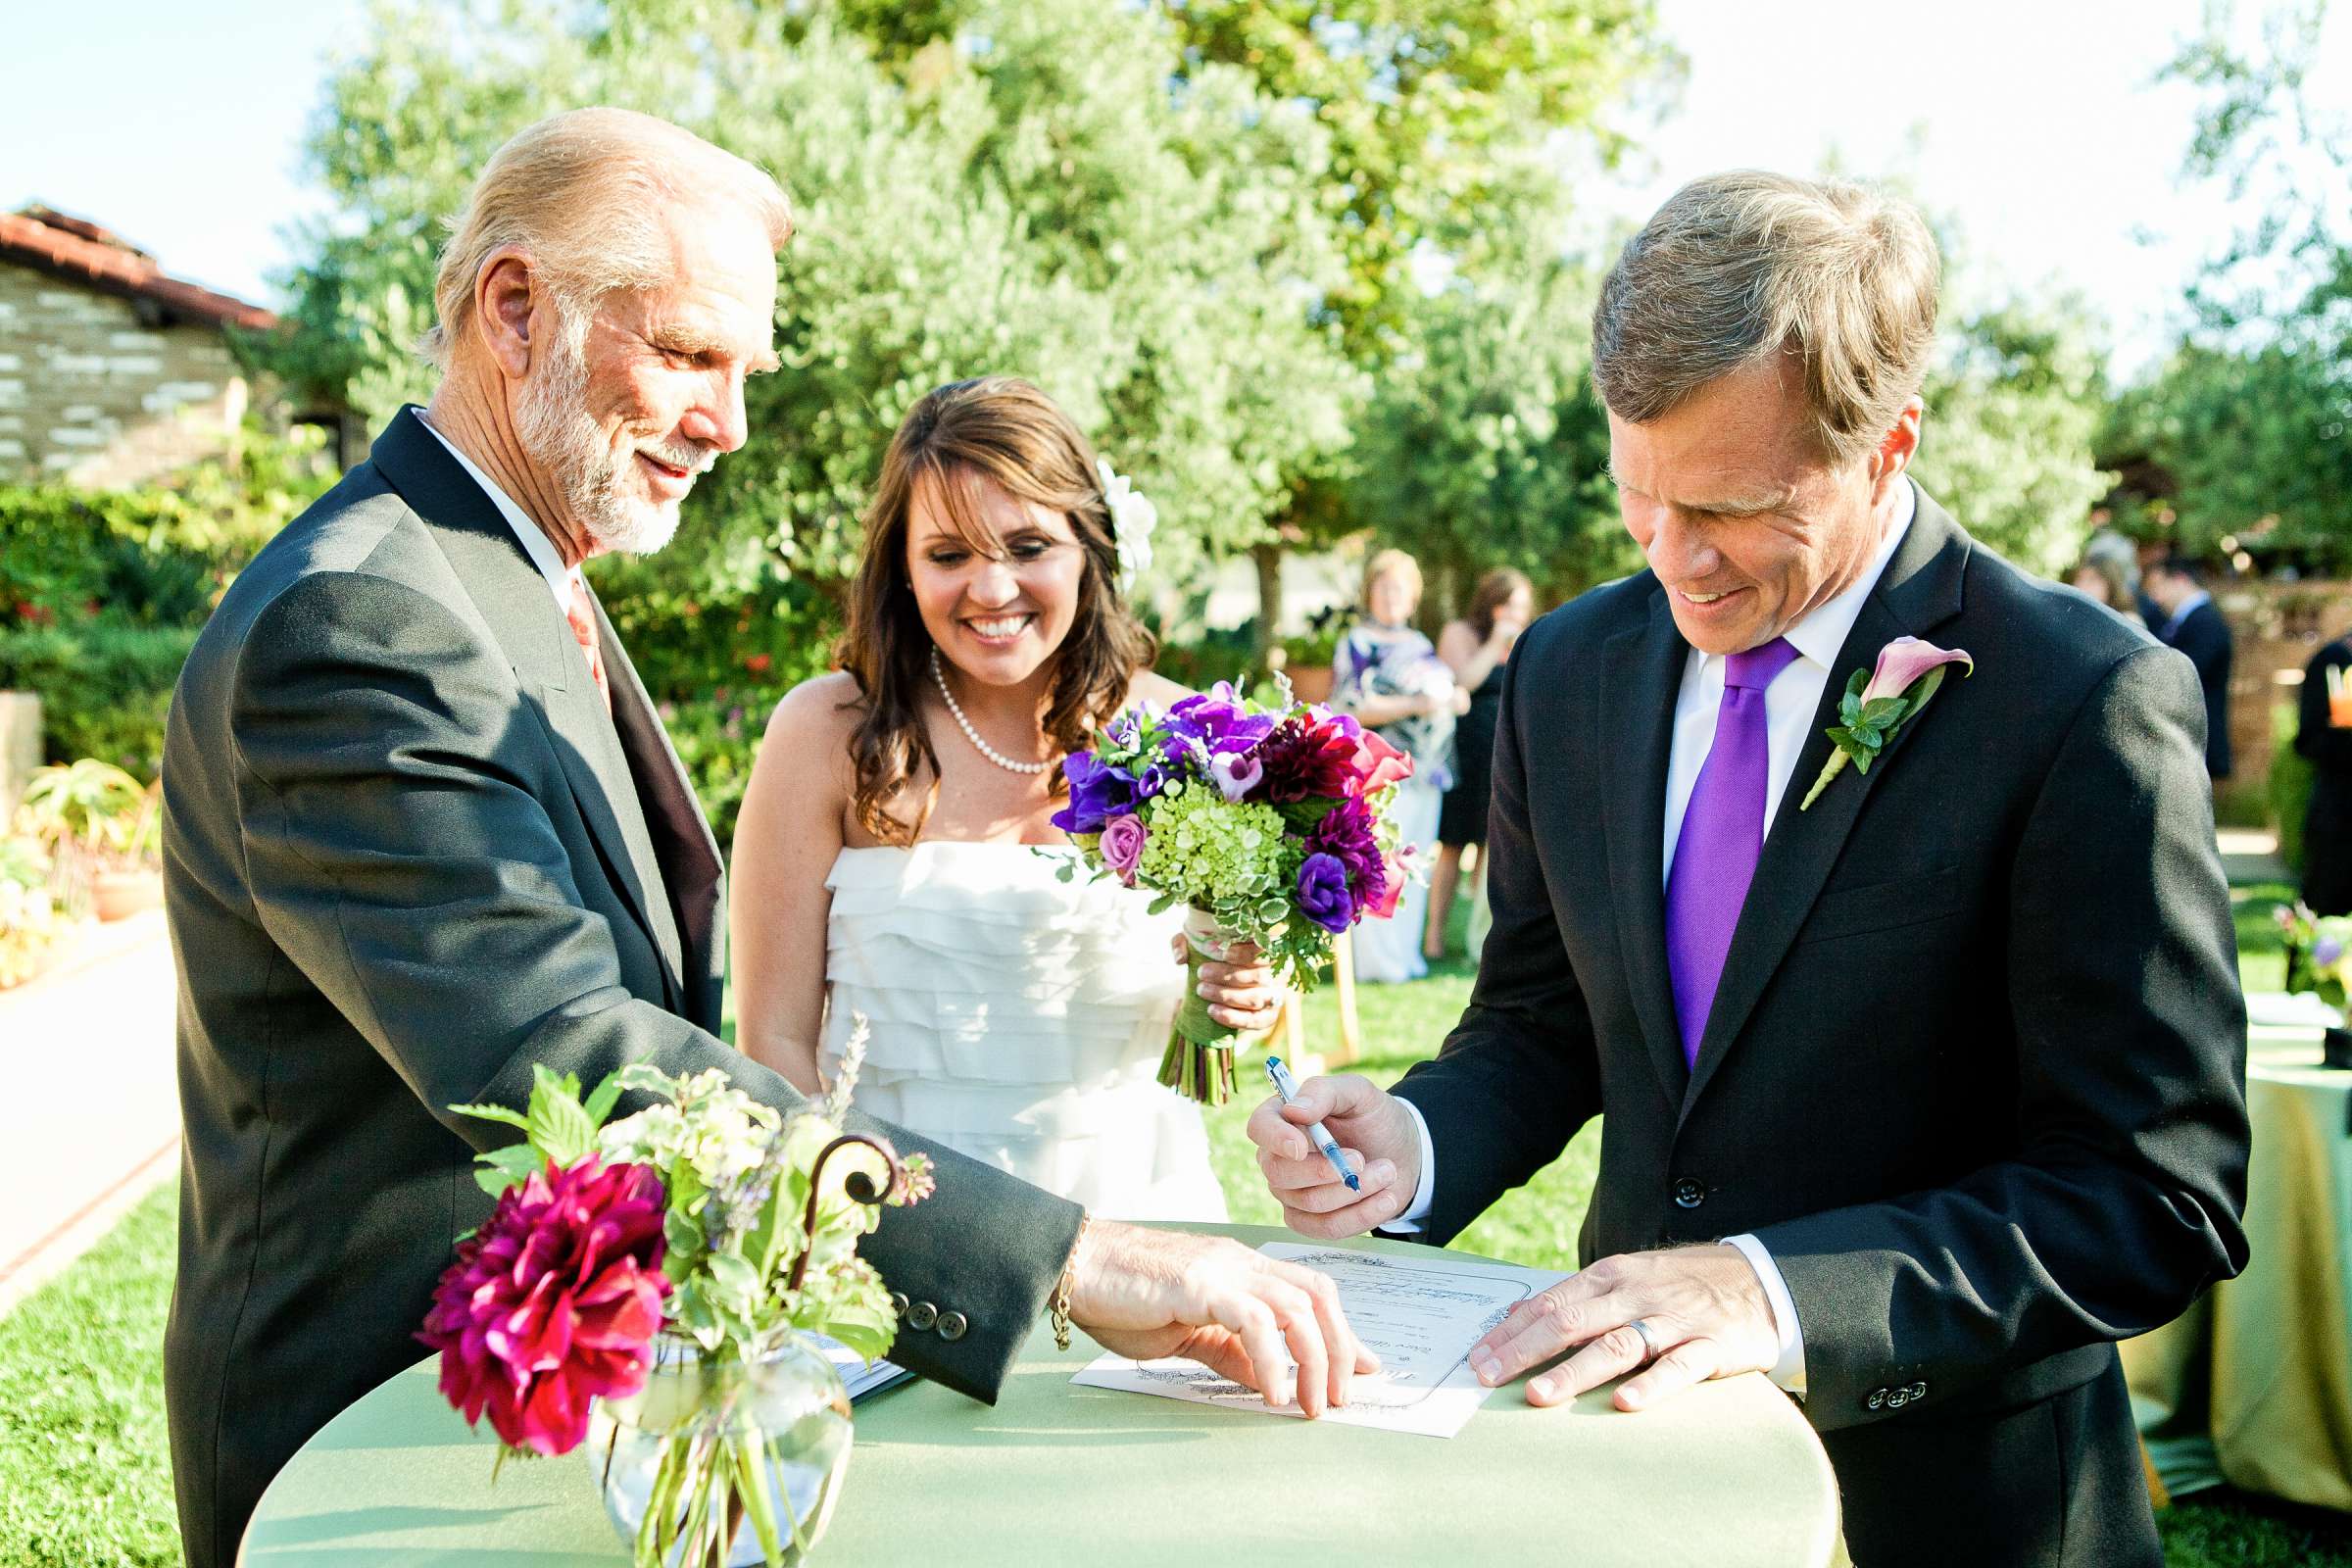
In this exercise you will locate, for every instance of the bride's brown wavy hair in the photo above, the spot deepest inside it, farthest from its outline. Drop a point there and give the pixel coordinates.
(998, 431)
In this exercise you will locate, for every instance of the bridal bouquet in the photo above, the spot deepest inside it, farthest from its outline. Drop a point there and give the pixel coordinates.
(653, 1278)
(1268, 823)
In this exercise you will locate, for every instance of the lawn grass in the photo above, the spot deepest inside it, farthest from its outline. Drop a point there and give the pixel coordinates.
(85, 1476)
(85, 1481)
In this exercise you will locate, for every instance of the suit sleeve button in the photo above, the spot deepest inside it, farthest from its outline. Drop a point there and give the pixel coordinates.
(898, 1304)
(1690, 1193)
(921, 1315)
(951, 1325)
(1876, 1400)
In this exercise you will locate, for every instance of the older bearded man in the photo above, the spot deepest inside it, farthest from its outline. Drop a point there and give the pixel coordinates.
(1922, 1078)
(424, 833)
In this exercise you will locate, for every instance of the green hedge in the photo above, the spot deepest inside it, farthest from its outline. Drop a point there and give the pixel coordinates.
(2289, 786)
(104, 688)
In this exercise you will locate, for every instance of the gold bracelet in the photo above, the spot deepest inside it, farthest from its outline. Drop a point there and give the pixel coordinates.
(1061, 1288)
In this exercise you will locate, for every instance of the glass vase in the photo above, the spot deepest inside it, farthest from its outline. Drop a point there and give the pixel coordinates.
(725, 1462)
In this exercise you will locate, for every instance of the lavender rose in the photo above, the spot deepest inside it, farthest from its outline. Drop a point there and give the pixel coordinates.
(1323, 893)
(1123, 845)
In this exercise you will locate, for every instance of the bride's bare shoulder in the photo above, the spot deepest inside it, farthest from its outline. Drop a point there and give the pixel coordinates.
(1149, 686)
(820, 712)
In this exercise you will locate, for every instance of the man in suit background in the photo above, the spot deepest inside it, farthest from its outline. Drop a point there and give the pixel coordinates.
(423, 832)
(2187, 618)
(1915, 1097)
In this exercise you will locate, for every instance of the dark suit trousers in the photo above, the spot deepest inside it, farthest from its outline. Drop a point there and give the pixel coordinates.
(2053, 1484)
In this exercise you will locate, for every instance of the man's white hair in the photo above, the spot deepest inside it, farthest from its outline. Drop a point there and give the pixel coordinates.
(585, 196)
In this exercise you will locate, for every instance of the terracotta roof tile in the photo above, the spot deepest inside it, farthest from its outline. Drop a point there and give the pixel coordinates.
(82, 252)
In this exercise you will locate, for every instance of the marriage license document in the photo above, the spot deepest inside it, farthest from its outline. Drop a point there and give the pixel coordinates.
(1420, 1315)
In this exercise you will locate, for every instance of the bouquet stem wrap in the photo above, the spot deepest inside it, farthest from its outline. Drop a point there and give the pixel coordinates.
(1198, 1063)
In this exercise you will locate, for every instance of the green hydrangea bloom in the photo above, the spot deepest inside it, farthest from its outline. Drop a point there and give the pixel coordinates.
(1204, 848)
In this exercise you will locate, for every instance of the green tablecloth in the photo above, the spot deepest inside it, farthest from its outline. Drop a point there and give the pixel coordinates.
(2254, 1384)
(1727, 1475)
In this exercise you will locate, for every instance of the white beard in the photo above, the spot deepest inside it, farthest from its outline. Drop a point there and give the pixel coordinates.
(553, 423)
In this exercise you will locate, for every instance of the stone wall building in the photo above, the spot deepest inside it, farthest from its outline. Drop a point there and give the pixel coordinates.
(112, 372)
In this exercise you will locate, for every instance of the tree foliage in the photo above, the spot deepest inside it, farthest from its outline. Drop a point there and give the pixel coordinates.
(2241, 436)
(2014, 405)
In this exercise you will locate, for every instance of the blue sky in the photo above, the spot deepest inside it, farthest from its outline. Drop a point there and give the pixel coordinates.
(2031, 122)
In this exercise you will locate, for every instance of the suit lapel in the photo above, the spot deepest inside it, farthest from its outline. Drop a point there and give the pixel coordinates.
(1919, 591)
(512, 599)
(686, 851)
(1641, 673)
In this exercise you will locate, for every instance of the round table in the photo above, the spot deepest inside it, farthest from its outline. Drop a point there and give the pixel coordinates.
(2253, 1385)
(1725, 1475)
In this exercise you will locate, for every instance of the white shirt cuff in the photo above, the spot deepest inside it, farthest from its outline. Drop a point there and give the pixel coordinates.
(1789, 1370)
(1408, 1223)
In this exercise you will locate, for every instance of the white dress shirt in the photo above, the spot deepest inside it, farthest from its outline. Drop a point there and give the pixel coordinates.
(535, 542)
(1788, 706)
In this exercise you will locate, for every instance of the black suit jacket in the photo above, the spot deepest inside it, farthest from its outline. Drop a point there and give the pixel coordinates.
(406, 857)
(2327, 820)
(1973, 1074)
(2204, 636)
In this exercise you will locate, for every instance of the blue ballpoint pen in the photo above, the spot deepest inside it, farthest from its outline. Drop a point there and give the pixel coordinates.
(1288, 1089)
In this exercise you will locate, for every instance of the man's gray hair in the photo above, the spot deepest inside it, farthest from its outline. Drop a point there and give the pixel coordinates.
(1738, 266)
(584, 195)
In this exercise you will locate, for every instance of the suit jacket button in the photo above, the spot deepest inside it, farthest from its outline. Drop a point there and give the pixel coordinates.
(1876, 1400)
(1919, 1391)
(951, 1325)
(921, 1315)
(898, 1304)
(1896, 1398)
(1690, 1193)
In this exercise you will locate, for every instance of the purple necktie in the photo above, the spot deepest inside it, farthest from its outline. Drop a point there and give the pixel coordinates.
(1723, 834)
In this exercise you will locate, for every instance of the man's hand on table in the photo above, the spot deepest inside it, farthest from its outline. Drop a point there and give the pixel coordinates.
(1145, 1294)
(1706, 1310)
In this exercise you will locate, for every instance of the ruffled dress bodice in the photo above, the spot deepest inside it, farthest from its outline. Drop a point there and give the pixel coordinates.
(1019, 1019)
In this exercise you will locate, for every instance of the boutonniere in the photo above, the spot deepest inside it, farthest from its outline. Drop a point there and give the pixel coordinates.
(1880, 702)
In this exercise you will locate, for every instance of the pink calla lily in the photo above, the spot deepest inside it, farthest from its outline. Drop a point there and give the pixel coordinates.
(1906, 659)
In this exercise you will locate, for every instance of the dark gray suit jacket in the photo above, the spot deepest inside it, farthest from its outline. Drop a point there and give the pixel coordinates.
(1974, 1073)
(406, 857)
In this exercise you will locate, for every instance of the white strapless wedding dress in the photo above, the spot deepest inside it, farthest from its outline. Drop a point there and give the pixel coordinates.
(1018, 1019)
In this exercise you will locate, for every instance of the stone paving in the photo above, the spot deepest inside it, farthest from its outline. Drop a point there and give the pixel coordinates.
(89, 1114)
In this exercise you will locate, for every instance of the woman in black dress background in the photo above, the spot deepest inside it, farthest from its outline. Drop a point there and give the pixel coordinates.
(1477, 647)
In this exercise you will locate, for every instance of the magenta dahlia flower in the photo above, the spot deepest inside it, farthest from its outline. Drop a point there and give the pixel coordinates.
(556, 1300)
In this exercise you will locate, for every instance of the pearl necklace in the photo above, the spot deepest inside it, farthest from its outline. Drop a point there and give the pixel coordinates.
(940, 681)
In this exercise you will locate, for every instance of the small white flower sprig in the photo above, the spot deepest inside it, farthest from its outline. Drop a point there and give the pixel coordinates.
(1133, 517)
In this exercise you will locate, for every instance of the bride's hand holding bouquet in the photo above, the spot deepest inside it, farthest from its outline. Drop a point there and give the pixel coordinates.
(1267, 822)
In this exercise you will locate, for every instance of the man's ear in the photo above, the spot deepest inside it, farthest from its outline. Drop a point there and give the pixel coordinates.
(1897, 448)
(506, 293)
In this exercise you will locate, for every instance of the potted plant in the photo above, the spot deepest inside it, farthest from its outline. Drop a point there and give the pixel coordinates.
(105, 826)
(1307, 658)
(29, 921)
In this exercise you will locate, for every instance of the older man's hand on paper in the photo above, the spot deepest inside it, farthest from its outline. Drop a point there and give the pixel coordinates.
(1376, 1135)
(1702, 1310)
(1148, 1294)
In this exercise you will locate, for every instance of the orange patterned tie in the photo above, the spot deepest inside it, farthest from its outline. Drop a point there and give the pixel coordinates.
(582, 616)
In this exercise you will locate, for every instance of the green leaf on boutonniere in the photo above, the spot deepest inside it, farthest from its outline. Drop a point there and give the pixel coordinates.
(1911, 670)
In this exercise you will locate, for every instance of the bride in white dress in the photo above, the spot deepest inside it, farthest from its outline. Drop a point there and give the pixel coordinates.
(895, 857)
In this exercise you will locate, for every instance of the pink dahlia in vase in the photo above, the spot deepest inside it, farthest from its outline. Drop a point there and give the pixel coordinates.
(555, 1301)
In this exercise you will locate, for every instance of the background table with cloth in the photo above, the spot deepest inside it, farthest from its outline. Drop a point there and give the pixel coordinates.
(2254, 1384)
(1725, 1475)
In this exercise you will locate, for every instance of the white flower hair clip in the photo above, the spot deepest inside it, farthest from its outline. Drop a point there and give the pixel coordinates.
(1133, 517)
